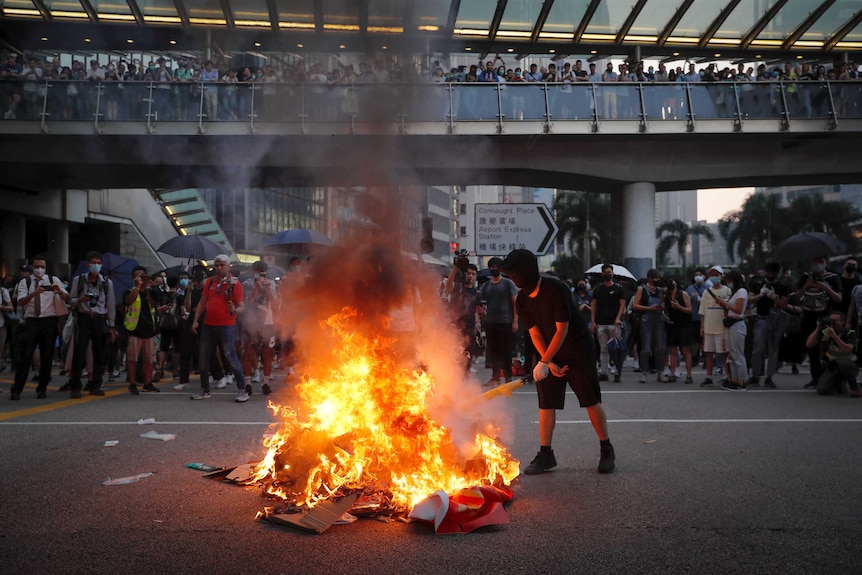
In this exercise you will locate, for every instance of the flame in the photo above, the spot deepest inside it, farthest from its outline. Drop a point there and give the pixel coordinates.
(362, 422)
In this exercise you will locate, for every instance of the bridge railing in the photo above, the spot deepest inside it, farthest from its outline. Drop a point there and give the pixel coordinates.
(53, 101)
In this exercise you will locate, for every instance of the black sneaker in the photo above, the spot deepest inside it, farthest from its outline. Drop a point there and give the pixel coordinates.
(541, 463)
(733, 386)
(76, 394)
(768, 383)
(603, 377)
(707, 381)
(150, 387)
(617, 378)
(811, 384)
(248, 389)
(15, 396)
(96, 391)
(40, 394)
(753, 382)
(65, 387)
(266, 389)
(133, 389)
(606, 462)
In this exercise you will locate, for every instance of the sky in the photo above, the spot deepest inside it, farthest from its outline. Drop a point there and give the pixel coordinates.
(714, 203)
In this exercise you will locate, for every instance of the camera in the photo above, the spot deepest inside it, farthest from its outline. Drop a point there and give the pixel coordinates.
(461, 260)
(94, 298)
(824, 320)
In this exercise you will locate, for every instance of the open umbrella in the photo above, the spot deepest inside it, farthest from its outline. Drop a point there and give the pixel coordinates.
(191, 248)
(118, 268)
(619, 271)
(297, 241)
(807, 245)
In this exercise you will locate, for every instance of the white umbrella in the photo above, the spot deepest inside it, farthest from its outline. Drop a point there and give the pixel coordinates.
(619, 271)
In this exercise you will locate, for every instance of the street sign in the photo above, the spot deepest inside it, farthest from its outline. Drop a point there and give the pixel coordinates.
(501, 228)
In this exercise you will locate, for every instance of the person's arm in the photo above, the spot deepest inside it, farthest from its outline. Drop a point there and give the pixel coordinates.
(73, 288)
(514, 313)
(58, 289)
(835, 296)
(844, 346)
(851, 311)
(636, 305)
(111, 304)
(620, 312)
(686, 305)
(737, 305)
(812, 340)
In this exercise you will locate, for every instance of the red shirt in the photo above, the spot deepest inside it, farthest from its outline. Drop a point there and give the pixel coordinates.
(218, 291)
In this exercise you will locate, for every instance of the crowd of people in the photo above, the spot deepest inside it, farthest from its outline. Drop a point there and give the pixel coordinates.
(210, 323)
(189, 89)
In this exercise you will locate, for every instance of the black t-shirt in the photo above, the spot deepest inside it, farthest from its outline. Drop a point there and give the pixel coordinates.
(847, 285)
(765, 303)
(606, 300)
(554, 304)
(815, 300)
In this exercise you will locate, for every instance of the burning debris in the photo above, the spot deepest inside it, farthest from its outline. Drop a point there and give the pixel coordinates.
(361, 426)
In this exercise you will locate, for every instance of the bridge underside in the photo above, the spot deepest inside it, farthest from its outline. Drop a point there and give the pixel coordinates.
(590, 162)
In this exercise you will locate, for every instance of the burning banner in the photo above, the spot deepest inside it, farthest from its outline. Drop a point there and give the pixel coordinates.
(362, 424)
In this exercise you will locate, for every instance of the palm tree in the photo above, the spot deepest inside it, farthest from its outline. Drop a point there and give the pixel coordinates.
(752, 231)
(678, 232)
(584, 220)
(814, 214)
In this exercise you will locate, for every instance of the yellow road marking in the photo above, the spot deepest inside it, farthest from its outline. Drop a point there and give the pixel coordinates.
(57, 404)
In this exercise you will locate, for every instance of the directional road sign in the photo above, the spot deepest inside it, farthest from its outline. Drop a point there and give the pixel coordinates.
(501, 228)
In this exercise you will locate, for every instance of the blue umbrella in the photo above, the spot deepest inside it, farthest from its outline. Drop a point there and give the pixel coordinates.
(191, 248)
(118, 268)
(297, 240)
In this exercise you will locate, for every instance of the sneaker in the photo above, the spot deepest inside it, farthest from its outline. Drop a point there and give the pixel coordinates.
(733, 386)
(617, 378)
(231, 379)
(181, 386)
(96, 390)
(241, 396)
(222, 383)
(266, 389)
(115, 373)
(768, 383)
(794, 370)
(707, 381)
(40, 394)
(603, 377)
(255, 378)
(202, 394)
(248, 389)
(811, 384)
(753, 382)
(541, 463)
(643, 377)
(158, 375)
(15, 396)
(76, 394)
(65, 387)
(719, 371)
(150, 387)
(606, 461)
(133, 389)
(688, 379)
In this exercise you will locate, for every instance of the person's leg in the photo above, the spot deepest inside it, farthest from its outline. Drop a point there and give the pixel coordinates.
(829, 379)
(758, 347)
(27, 341)
(148, 351)
(226, 337)
(47, 339)
(133, 349)
(82, 337)
(605, 332)
(206, 350)
(645, 346)
(599, 419)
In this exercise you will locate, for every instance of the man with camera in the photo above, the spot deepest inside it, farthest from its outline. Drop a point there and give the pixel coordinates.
(256, 325)
(819, 293)
(837, 343)
(92, 302)
(462, 289)
(140, 322)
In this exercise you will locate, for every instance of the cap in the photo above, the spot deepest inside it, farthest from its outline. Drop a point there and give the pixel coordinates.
(719, 269)
(25, 268)
(518, 259)
(495, 262)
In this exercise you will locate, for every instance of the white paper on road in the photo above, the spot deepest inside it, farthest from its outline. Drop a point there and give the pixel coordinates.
(127, 480)
(159, 436)
(147, 421)
(111, 443)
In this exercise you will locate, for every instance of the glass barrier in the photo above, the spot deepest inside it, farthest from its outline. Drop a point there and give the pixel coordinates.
(143, 101)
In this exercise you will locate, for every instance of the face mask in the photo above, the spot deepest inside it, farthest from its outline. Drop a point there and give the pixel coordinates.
(495, 273)
(184, 283)
(199, 276)
(850, 269)
(95, 268)
(698, 279)
(38, 272)
(715, 280)
(582, 288)
(818, 268)
(607, 277)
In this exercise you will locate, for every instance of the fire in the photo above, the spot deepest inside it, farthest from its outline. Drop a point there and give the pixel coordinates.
(362, 422)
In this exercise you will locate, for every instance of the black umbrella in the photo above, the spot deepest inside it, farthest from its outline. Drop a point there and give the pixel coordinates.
(807, 245)
(191, 248)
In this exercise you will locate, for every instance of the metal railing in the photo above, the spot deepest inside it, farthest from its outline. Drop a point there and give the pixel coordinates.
(53, 101)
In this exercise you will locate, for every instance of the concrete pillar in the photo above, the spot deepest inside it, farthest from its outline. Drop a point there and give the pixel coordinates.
(638, 227)
(13, 246)
(58, 248)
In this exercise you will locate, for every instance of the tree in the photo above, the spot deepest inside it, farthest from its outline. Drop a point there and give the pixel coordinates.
(753, 230)
(677, 232)
(570, 267)
(812, 213)
(584, 220)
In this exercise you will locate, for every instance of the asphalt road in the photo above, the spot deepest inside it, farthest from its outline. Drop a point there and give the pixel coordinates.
(707, 481)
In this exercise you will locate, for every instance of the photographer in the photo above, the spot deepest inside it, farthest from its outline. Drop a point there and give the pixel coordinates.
(819, 293)
(837, 343)
(92, 302)
(256, 325)
(140, 323)
(463, 291)
(679, 334)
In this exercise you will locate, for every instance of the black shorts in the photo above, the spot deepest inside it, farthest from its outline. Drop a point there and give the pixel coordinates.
(167, 339)
(679, 335)
(585, 384)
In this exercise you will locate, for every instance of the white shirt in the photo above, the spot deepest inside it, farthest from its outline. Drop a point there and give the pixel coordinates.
(46, 297)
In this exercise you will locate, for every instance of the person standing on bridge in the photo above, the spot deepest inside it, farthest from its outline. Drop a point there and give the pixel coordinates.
(566, 356)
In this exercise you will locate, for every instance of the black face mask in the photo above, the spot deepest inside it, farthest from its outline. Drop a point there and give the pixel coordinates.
(607, 277)
(495, 273)
(850, 269)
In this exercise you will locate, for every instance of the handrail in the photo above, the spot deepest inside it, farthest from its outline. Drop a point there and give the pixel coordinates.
(52, 101)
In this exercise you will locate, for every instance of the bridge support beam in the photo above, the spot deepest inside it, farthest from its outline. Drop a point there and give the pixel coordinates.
(13, 238)
(638, 227)
(58, 248)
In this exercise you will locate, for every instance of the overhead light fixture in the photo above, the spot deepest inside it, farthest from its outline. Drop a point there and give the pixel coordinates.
(257, 44)
(44, 39)
(130, 41)
(87, 40)
(799, 57)
(676, 53)
(510, 50)
(341, 46)
(758, 56)
(594, 51)
(172, 42)
(299, 46)
(717, 55)
(384, 47)
(468, 48)
(552, 51)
